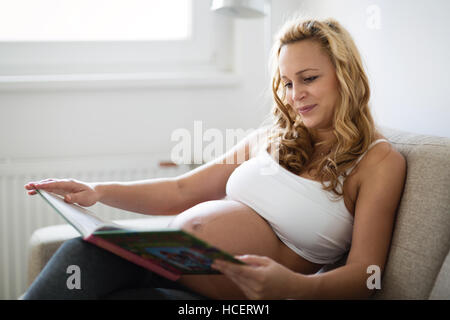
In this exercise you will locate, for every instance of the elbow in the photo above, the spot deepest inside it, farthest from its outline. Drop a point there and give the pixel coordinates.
(366, 293)
(366, 281)
(372, 281)
(182, 197)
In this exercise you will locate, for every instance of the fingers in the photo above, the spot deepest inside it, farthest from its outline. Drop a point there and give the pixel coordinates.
(70, 198)
(232, 269)
(83, 198)
(254, 260)
(59, 186)
(242, 276)
(249, 259)
(73, 191)
(248, 272)
(75, 198)
(52, 184)
(31, 187)
(32, 184)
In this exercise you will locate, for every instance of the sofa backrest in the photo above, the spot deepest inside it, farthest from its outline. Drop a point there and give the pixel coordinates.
(421, 238)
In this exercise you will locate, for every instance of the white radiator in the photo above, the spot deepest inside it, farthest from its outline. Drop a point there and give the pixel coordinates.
(21, 214)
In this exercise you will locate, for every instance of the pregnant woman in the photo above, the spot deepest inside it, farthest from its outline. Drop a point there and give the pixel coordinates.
(316, 184)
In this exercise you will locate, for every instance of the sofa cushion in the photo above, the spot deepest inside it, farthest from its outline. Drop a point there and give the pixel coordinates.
(421, 237)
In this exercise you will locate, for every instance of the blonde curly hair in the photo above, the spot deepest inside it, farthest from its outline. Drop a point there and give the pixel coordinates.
(353, 125)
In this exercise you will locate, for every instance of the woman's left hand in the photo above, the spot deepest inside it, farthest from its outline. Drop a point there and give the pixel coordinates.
(260, 278)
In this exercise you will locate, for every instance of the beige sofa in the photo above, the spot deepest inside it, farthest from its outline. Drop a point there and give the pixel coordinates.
(418, 265)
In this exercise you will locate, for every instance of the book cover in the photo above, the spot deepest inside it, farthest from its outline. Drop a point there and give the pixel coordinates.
(168, 252)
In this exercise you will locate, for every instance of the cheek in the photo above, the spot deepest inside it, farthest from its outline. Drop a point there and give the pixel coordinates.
(328, 95)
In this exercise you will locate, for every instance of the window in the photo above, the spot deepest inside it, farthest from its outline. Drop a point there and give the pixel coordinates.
(95, 20)
(110, 36)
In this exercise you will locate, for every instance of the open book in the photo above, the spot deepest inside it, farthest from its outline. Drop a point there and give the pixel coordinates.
(168, 252)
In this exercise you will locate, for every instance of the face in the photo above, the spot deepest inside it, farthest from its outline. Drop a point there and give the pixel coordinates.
(310, 81)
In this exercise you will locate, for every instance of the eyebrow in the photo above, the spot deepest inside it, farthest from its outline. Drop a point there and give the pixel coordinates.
(299, 72)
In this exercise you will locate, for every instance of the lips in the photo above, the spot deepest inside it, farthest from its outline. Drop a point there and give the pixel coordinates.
(306, 109)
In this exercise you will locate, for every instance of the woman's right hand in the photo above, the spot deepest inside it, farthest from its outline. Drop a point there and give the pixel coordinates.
(72, 190)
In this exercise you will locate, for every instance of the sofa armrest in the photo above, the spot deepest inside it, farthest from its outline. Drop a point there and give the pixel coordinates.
(45, 241)
(43, 244)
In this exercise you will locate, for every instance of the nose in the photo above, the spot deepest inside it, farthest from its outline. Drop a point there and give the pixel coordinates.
(298, 93)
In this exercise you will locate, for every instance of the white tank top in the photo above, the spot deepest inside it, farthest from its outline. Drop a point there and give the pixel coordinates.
(308, 219)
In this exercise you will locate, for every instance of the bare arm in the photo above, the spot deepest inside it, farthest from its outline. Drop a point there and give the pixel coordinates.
(153, 196)
(162, 196)
(376, 205)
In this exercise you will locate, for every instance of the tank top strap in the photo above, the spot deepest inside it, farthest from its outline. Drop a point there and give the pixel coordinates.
(362, 156)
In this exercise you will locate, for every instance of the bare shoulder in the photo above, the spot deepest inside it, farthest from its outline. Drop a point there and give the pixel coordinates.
(382, 177)
(381, 160)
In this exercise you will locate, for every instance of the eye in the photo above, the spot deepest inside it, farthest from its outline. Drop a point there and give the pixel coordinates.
(288, 85)
(310, 79)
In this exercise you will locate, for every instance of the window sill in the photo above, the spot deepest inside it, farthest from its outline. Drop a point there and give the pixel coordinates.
(151, 80)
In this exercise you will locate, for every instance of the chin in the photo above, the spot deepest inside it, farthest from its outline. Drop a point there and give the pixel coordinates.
(310, 124)
(314, 123)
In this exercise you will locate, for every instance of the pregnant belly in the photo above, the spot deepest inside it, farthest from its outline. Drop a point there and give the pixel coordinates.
(237, 229)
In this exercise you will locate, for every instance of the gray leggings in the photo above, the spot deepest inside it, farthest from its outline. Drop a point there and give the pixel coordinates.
(103, 275)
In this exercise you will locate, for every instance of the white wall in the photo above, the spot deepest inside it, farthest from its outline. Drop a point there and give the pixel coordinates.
(406, 58)
(55, 122)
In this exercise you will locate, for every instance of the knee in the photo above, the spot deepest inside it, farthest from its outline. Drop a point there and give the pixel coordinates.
(73, 244)
(77, 249)
(74, 241)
